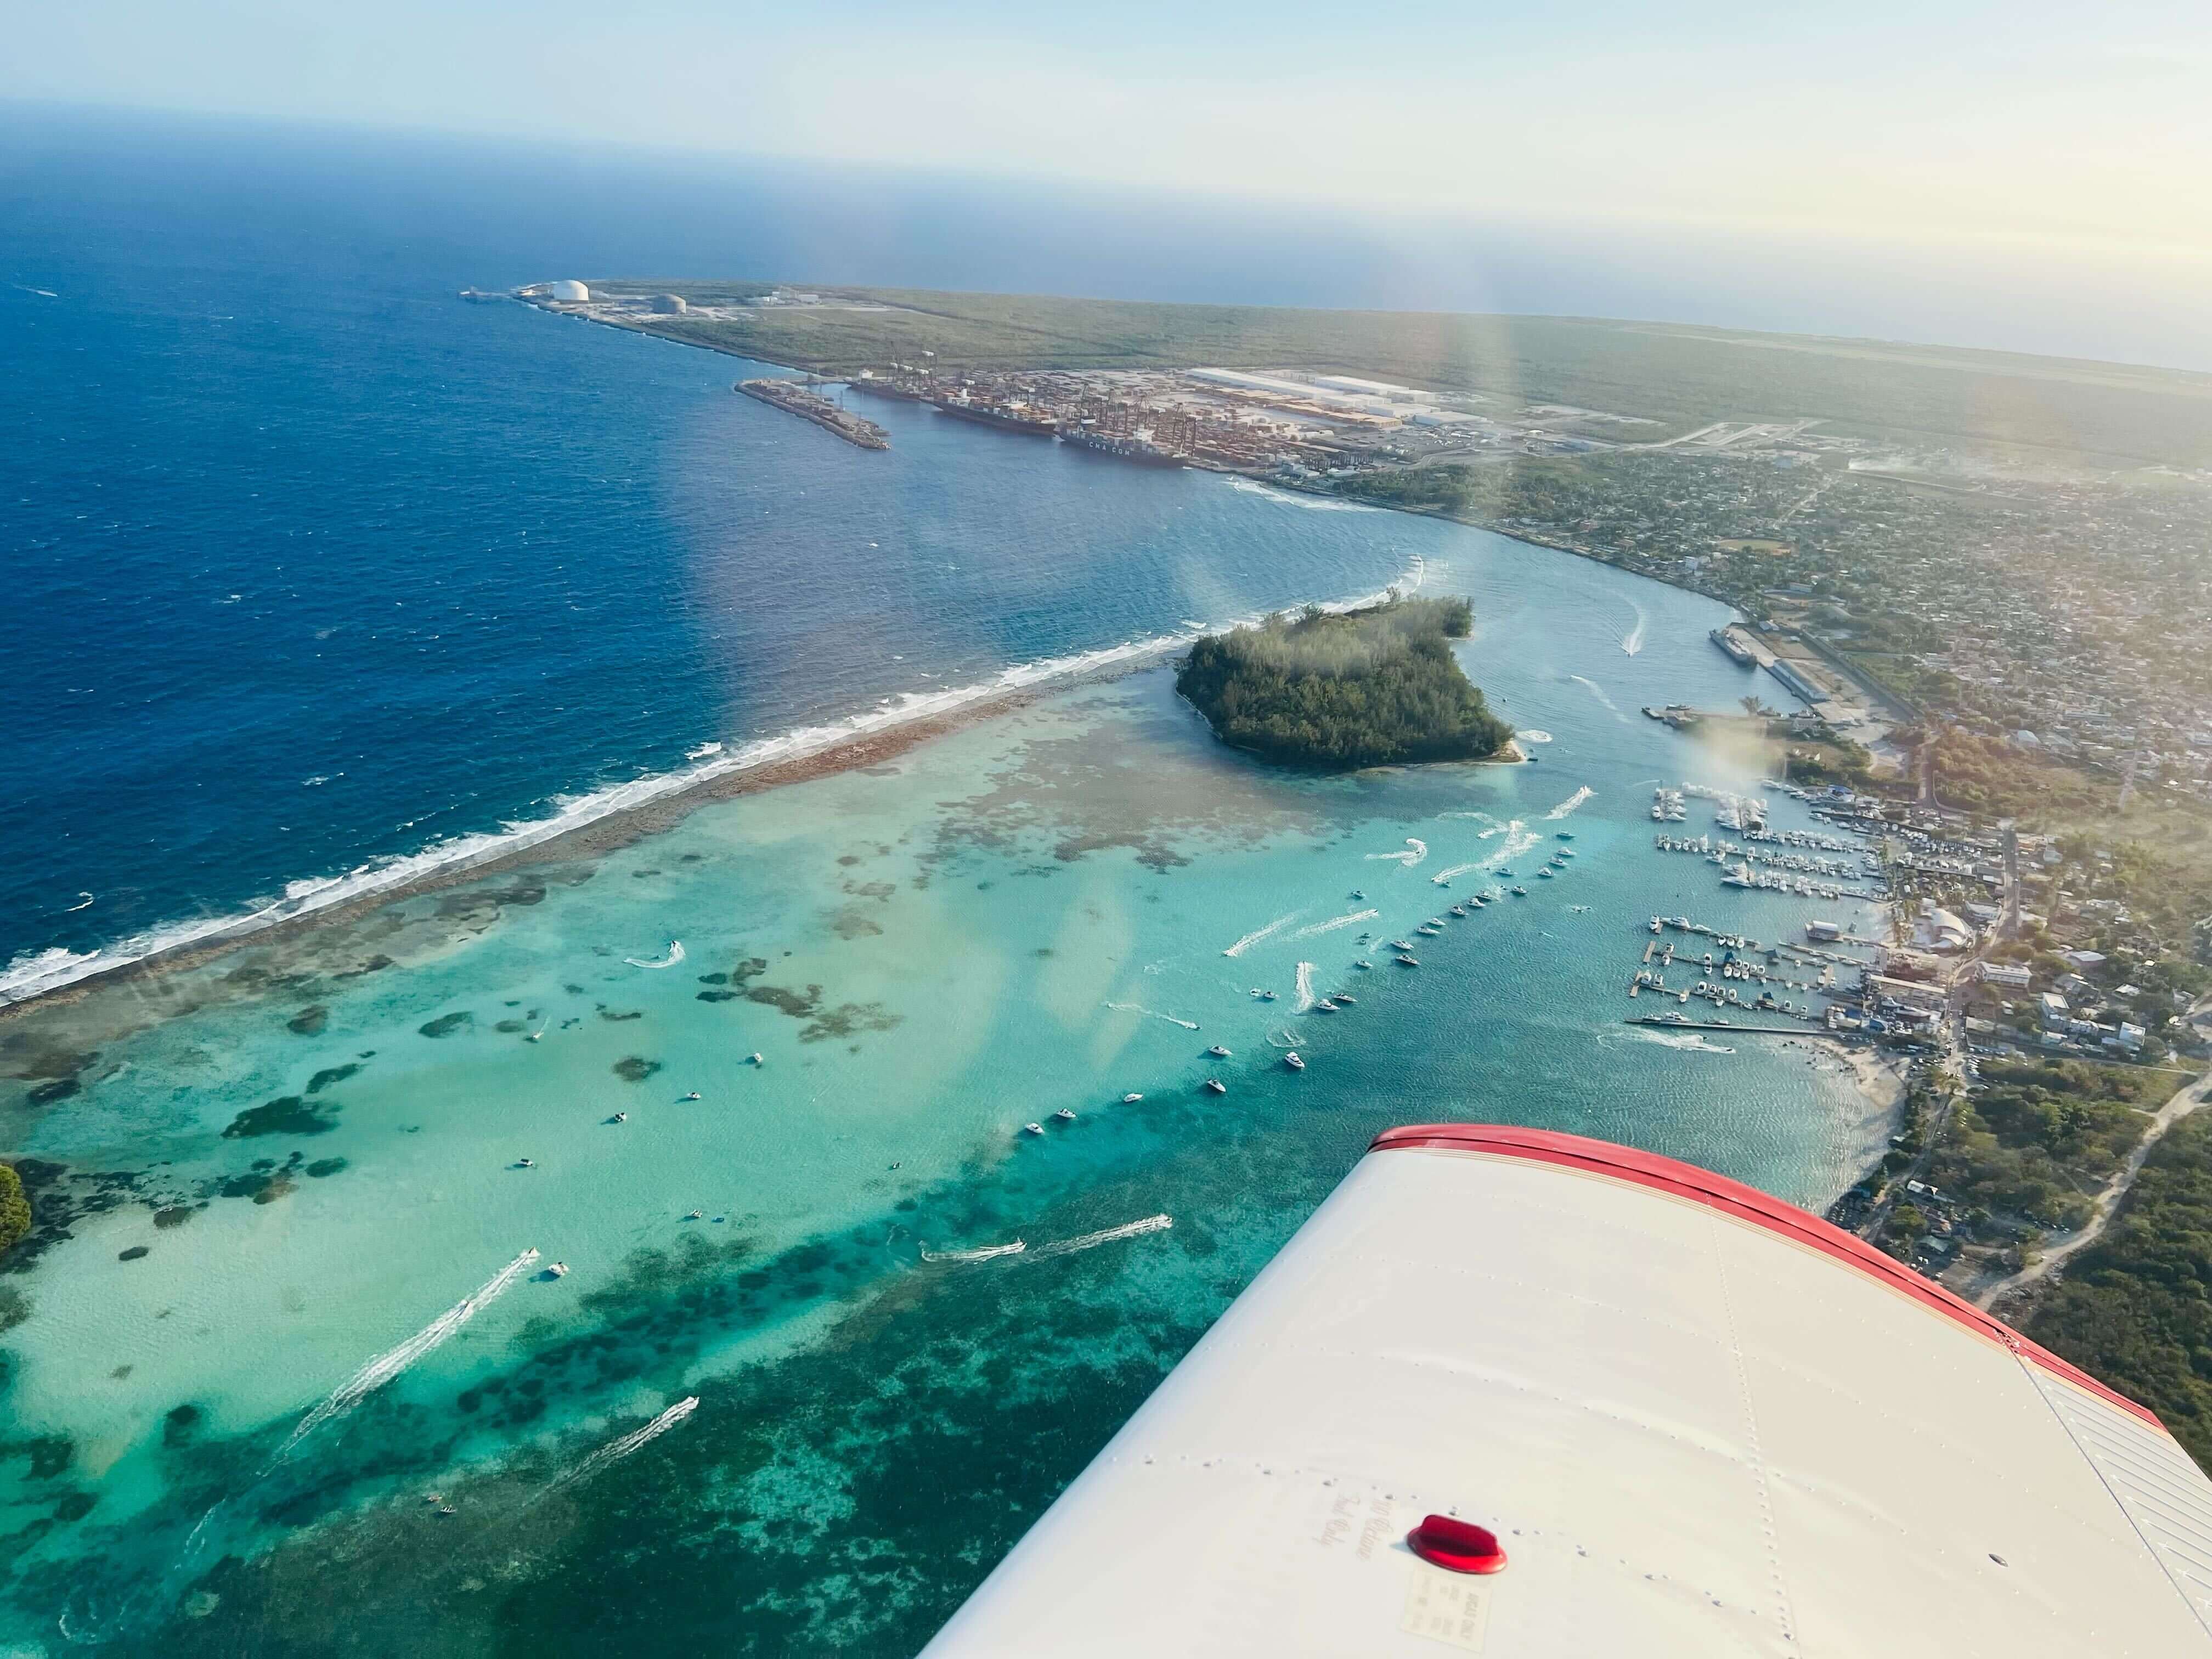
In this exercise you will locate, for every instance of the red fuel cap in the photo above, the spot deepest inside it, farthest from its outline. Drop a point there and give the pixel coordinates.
(1457, 1546)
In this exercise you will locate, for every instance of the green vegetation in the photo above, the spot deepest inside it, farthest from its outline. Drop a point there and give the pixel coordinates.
(2135, 1308)
(2043, 1137)
(15, 1209)
(1371, 688)
(1676, 375)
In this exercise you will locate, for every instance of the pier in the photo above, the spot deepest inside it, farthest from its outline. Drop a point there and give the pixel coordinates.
(795, 399)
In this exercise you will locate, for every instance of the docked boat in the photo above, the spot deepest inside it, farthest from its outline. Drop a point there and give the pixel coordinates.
(1214, 1086)
(1033, 1128)
(1293, 1061)
(1218, 1052)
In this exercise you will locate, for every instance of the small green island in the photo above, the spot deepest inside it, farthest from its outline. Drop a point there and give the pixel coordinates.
(1373, 687)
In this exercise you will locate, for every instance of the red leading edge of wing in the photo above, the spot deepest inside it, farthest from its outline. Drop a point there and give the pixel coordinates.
(1733, 1198)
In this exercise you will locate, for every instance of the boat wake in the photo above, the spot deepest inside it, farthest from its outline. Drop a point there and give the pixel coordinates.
(1532, 735)
(1253, 938)
(615, 1450)
(1570, 803)
(1335, 922)
(1687, 1042)
(1150, 1224)
(1417, 850)
(675, 955)
(1443, 878)
(987, 1253)
(1598, 691)
(1632, 642)
(387, 1365)
(35, 974)
(84, 903)
(1305, 986)
(1152, 1013)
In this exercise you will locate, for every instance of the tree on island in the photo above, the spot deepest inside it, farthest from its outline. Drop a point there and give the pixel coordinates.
(1375, 687)
(15, 1209)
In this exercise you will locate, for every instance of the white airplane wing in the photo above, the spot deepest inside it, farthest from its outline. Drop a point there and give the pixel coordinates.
(1654, 1413)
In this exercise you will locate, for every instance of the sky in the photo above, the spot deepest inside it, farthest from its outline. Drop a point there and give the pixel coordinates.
(2067, 136)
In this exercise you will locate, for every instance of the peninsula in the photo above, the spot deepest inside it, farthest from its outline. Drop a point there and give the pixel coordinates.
(1376, 687)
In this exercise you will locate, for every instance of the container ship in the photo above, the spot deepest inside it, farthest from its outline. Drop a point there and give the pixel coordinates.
(1004, 418)
(1143, 451)
(876, 388)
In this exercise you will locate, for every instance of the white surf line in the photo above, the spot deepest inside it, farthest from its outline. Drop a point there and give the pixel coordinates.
(1137, 1008)
(1253, 938)
(675, 955)
(615, 1450)
(1633, 642)
(1150, 1224)
(34, 974)
(1335, 922)
(1570, 803)
(987, 1253)
(1598, 691)
(1443, 878)
(387, 1365)
(1305, 986)
(84, 903)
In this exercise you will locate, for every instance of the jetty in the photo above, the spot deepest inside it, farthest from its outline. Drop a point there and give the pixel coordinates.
(793, 398)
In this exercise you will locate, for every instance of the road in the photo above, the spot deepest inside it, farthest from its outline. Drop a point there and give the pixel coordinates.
(2185, 1100)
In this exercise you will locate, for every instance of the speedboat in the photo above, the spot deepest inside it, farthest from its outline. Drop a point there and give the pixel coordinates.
(755, 1060)
(1131, 1099)
(695, 1215)
(1506, 875)
(1363, 962)
(1293, 1061)
(1360, 892)
(1325, 1006)
(535, 1035)
(1545, 874)
(1477, 899)
(694, 1095)
(1345, 997)
(1564, 834)
(1520, 892)
(1034, 1128)
(622, 1117)
(1407, 961)
(1214, 1086)
(447, 1509)
(1259, 995)
(1401, 945)
(1218, 1052)
(1064, 1116)
(1459, 909)
(559, 1270)
(525, 1163)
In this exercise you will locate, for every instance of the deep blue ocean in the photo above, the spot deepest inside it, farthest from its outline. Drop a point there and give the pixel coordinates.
(312, 564)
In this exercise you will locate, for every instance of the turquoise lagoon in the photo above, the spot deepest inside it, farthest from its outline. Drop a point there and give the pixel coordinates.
(285, 1165)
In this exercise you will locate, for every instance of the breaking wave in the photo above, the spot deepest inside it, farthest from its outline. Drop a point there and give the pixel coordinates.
(36, 974)
(1293, 498)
